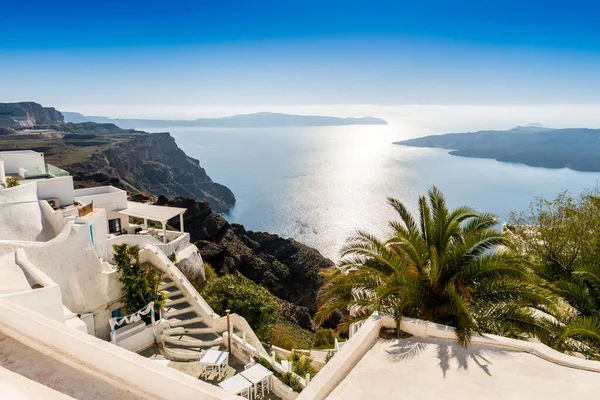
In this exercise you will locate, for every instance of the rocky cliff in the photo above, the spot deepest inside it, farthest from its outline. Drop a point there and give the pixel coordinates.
(289, 269)
(27, 115)
(102, 154)
(152, 163)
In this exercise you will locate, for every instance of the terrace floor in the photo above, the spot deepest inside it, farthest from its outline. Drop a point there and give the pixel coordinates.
(418, 368)
(38, 367)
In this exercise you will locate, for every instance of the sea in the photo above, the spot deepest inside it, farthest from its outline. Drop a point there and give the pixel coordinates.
(319, 185)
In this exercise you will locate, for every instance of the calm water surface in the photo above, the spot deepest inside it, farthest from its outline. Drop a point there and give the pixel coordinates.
(319, 184)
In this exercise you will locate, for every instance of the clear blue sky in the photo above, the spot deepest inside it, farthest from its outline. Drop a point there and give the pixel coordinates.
(300, 52)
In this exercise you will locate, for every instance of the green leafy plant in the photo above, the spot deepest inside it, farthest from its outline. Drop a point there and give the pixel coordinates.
(290, 380)
(444, 266)
(139, 283)
(301, 363)
(240, 295)
(173, 257)
(262, 361)
(12, 182)
(562, 240)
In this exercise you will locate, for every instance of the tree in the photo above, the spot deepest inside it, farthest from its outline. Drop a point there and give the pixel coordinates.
(242, 296)
(139, 284)
(562, 239)
(450, 267)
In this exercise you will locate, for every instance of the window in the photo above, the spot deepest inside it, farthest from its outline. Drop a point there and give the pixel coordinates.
(114, 225)
(116, 313)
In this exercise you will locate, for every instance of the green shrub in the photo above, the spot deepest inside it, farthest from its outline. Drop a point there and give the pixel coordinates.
(139, 284)
(263, 361)
(324, 339)
(301, 363)
(242, 296)
(291, 381)
(11, 182)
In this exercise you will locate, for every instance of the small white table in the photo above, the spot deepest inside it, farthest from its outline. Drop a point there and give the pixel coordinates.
(238, 385)
(214, 360)
(259, 376)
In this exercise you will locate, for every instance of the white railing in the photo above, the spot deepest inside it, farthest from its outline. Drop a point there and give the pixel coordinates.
(354, 327)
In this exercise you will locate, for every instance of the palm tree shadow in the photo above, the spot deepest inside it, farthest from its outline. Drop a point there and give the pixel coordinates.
(406, 349)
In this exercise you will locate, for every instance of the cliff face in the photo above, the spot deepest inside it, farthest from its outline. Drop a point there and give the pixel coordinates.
(153, 163)
(102, 154)
(289, 269)
(27, 115)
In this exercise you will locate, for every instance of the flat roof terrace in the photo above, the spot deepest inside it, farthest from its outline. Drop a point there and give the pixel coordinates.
(38, 367)
(422, 368)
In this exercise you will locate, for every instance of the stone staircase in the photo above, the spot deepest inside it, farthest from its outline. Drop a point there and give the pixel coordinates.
(187, 337)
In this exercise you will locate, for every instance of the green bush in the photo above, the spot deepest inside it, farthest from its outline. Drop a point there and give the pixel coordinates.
(242, 296)
(301, 363)
(324, 339)
(291, 381)
(139, 284)
(263, 361)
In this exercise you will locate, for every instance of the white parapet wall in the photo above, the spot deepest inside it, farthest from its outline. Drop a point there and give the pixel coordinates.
(336, 370)
(56, 188)
(45, 299)
(23, 159)
(104, 360)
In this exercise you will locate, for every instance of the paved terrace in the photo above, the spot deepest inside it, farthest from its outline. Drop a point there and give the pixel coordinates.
(30, 364)
(419, 368)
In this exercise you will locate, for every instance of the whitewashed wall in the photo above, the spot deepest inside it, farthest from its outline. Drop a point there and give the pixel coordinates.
(117, 366)
(13, 160)
(56, 188)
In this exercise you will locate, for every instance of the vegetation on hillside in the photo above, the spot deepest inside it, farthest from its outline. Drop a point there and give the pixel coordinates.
(562, 240)
(448, 266)
(265, 313)
(242, 296)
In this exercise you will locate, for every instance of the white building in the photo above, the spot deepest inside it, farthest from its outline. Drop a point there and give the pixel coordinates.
(59, 290)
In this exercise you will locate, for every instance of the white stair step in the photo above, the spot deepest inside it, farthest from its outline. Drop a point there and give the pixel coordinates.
(164, 285)
(174, 323)
(170, 313)
(192, 342)
(171, 303)
(173, 294)
(188, 331)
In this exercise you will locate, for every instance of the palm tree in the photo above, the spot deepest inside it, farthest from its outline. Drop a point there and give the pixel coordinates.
(450, 267)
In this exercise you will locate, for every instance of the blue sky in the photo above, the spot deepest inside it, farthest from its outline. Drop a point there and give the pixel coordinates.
(299, 52)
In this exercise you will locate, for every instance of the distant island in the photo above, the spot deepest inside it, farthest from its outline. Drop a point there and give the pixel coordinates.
(262, 119)
(533, 145)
